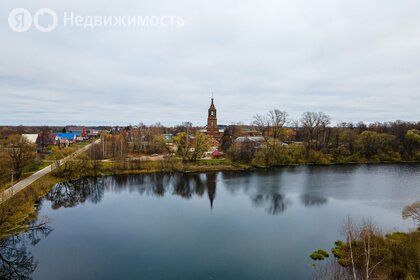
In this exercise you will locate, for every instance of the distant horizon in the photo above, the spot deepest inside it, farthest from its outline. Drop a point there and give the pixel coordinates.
(333, 123)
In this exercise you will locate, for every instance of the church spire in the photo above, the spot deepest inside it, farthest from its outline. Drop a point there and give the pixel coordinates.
(212, 128)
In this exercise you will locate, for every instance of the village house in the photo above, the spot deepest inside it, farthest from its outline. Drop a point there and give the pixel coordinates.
(240, 133)
(71, 137)
(31, 138)
(258, 140)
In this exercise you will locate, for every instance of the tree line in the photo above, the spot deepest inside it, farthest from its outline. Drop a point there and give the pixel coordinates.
(313, 140)
(310, 140)
(186, 142)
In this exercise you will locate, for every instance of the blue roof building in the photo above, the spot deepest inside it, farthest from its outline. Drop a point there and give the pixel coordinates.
(68, 135)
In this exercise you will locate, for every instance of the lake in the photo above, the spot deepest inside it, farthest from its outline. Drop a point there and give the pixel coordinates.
(260, 224)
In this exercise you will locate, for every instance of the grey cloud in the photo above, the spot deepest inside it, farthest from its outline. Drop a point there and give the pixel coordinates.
(355, 60)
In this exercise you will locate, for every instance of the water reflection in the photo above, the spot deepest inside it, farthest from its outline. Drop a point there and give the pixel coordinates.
(313, 199)
(211, 187)
(265, 194)
(269, 192)
(70, 194)
(15, 261)
(274, 203)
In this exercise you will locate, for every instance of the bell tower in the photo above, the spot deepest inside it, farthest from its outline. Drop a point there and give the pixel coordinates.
(212, 128)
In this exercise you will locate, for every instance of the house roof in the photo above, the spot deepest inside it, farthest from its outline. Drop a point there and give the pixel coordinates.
(68, 135)
(30, 137)
(250, 138)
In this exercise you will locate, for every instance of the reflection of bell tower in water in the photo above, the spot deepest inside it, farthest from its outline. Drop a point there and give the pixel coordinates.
(211, 187)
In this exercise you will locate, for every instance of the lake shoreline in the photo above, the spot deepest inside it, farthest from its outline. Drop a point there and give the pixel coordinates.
(193, 167)
(42, 186)
(271, 200)
(198, 167)
(47, 182)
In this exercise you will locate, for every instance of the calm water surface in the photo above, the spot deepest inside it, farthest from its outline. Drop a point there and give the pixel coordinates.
(227, 225)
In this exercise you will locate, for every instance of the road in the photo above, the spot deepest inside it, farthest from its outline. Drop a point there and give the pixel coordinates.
(21, 185)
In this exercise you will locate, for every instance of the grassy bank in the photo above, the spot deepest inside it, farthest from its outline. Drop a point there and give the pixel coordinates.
(81, 168)
(54, 154)
(17, 213)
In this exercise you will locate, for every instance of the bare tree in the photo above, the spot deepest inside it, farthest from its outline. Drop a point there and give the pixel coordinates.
(412, 211)
(369, 234)
(262, 123)
(272, 124)
(313, 124)
(43, 139)
(363, 250)
(20, 151)
(330, 271)
(278, 120)
(350, 232)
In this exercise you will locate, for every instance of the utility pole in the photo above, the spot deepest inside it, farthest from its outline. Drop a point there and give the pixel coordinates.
(13, 173)
(103, 144)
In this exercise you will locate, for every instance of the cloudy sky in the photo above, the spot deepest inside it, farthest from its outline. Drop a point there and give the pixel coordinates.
(355, 60)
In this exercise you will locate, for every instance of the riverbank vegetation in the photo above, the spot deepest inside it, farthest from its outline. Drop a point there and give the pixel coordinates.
(367, 253)
(271, 140)
(19, 158)
(312, 140)
(19, 212)
(274, 140)
(20, 220)
(84, 166)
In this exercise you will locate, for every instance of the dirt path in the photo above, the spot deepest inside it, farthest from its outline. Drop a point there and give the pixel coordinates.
(21, 185)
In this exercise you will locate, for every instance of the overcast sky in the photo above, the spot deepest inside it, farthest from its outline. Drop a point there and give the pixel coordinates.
(355, 60)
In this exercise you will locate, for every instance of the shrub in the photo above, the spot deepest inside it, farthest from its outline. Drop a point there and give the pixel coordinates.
(319, 255)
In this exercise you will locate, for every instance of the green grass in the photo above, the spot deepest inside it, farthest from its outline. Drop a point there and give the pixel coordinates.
(36, 166)
(57, 153)
(213, 161)
(17, 212)
(48, 160)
